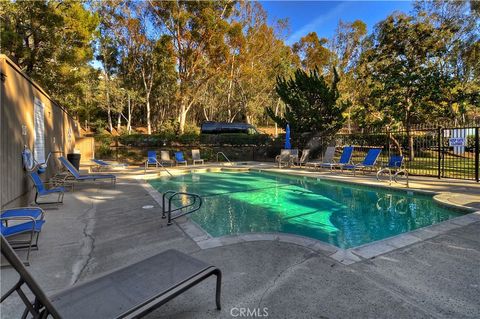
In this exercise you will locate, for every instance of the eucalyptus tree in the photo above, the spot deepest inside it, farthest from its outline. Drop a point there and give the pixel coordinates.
(346, 46)
(198, 30)
(314, 52)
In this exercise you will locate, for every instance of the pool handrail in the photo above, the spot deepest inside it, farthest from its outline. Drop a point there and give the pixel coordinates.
(172, 194)
(223, 154)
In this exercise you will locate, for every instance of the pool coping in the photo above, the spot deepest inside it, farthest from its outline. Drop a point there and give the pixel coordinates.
(343, 256)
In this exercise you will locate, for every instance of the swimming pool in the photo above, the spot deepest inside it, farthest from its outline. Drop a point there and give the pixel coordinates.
(342, 214)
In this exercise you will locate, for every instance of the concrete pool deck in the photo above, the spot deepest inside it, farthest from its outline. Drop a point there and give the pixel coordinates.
(100, 228)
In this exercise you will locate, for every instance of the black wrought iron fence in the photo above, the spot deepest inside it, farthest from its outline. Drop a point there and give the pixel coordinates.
(443, 152)
(451, 151)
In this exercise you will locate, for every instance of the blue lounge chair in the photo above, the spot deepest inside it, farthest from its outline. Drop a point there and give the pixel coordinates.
(41, 190)
(345, 159)
(151, 159)
(106, 165)
(394, 165)
(23, 220)
(86, 177)
(369, 162)
(179, 159)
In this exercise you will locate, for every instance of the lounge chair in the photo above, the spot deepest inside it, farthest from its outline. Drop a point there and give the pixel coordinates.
(129, 292)
(85, 177)
(294, 155)
(41, 190)
(101, 165)
(165, 158)
(345, 159)
(179, 159)
(151, 159)
(369, 162)
(25, 220)
(196, 157)
(327, 158)
(395, 166)
(284, 157)
(303, 159)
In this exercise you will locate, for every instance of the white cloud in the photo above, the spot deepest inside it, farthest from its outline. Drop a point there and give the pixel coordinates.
(312, 25)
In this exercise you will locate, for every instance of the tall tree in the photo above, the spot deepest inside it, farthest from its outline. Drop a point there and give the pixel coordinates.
(51, 41)
(313, 52)
(347, 45)
(402, 59)
(198, 30)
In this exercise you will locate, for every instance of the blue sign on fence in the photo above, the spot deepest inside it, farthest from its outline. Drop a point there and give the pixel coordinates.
(457, 141)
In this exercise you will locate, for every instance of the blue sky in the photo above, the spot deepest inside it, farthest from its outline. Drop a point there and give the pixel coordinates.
(323, 16)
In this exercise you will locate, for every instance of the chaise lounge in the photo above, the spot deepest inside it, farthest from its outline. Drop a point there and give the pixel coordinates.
(85, 177)
(129, 292)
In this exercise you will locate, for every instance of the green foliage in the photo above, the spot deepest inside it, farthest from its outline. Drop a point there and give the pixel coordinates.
(311, 104)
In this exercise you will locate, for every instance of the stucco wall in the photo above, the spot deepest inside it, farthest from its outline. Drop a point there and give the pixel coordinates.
(17, 106)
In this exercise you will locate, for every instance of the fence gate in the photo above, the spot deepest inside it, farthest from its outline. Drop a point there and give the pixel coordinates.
(459, 153)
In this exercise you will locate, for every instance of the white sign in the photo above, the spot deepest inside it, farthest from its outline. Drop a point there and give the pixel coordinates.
(39, 131)
(457, 141)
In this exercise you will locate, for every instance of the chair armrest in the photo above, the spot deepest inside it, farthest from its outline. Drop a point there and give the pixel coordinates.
(42, 212)
(19, 218)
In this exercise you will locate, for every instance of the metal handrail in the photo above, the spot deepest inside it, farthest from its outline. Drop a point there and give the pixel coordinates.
(225, 156)
(389, 170)
(197, 200)
(163, 167)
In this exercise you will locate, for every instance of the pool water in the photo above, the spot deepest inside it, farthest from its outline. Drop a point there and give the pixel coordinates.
(344, 215)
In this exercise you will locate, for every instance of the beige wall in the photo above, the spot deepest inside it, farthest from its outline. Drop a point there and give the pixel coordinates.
(86, 146)
(17, 100)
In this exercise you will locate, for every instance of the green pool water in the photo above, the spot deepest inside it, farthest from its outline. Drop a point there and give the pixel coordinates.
(337, 213)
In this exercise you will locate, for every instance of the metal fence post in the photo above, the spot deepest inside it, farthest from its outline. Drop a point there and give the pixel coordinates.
(439, 141)
(477, 154)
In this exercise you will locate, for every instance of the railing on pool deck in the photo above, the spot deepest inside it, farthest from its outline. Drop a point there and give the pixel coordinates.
(167, 209)
(223, 154)
(157, 164)
(394, 175)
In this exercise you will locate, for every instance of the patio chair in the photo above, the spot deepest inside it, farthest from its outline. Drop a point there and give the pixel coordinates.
(327, 158)
(284, 157)
(196, 157)
(294, 155)
(85, 177)
(151, 159)
(394, 165)
(345, 159)
(101, 164)
(26, 220)
(369, 162)
(165, 158)
(41, 190)
(179, 159)
(303, 159)
(129, 292)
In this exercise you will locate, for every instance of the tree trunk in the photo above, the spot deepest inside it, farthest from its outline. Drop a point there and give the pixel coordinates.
(109, 113)
(276, 114)
(129, 121)
(119, 122)
(149, 124)
(182, 118)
